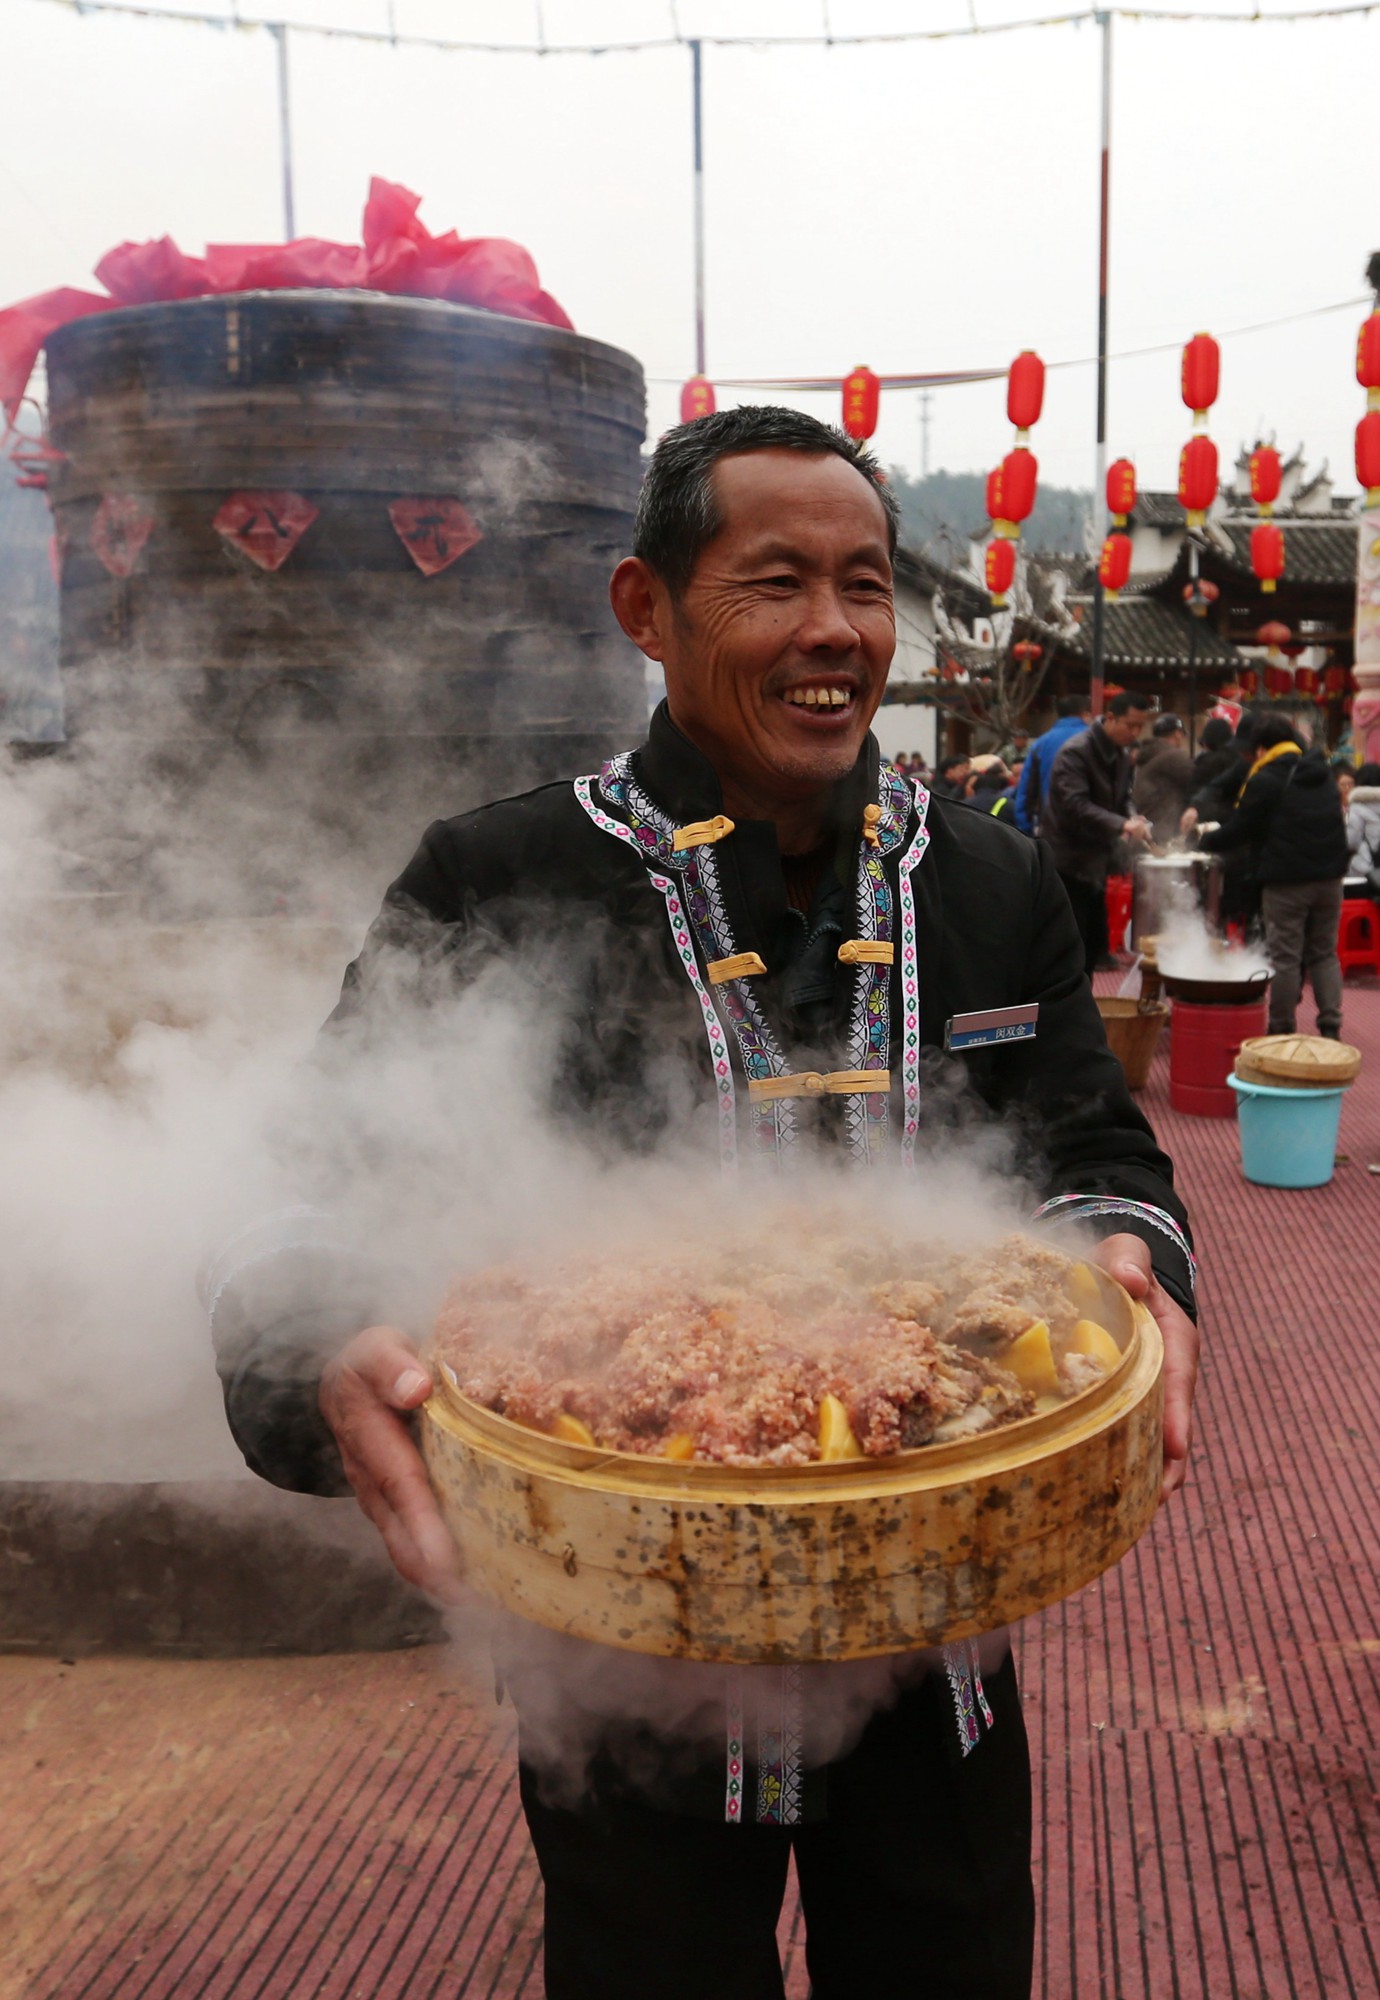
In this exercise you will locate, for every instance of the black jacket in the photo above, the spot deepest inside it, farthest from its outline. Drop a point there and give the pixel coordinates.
(532, 883)
(1218, 776)
(1089, 802)
(1289, 820)
(1162, 786)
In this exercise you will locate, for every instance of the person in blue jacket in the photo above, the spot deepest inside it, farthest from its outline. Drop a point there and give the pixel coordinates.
(1075, 713)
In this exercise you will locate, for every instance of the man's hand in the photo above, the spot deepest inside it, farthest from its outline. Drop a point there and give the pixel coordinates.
(1127, 1259)
(1136, 828)
(1188, 819)
(362, 1391)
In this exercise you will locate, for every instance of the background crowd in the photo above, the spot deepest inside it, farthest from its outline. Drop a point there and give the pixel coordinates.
(1294, 831)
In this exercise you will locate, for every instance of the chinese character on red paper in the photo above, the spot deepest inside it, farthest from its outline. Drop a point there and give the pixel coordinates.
(266, 526)
(434, 529)
(123, 523)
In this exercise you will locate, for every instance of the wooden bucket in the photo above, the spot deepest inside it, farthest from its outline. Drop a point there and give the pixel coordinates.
(806, 1563)
(1133, 1033)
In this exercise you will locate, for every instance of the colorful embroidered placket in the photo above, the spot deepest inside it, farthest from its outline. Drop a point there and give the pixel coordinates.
(680, 931)
(651, 833)
(910, 985)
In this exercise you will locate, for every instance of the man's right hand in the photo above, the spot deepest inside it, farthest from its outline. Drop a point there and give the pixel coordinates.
(366, 1392)
(1137, 827)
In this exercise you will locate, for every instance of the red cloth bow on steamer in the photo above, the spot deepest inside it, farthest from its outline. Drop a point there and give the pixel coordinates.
(399, 254)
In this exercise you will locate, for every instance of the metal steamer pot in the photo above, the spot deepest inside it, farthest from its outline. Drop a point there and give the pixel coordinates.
(1163, 884)
(1216, 992)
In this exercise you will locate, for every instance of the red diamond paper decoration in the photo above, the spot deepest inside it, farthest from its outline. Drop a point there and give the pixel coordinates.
(434, 529)
(266, 526)
(123, 523)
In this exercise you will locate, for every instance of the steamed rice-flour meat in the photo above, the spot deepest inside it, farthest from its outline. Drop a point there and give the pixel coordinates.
(781, 1356)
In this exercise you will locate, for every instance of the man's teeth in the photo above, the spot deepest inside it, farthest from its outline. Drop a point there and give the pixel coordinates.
(818, 697)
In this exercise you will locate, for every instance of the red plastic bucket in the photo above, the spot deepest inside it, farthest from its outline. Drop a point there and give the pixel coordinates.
(1204, 1038)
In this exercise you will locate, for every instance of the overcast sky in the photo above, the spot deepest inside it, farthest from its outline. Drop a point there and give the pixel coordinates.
(912, 207)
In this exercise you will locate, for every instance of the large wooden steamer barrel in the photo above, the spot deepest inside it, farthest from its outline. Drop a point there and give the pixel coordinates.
(348, 664)
(811, 1563)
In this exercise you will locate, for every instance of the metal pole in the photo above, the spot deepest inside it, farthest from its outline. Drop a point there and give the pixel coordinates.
(1104, 22)
(278, 29)
(698, 91)
(1195, 606)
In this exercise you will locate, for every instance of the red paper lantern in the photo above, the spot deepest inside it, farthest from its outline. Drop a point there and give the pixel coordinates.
(1250, 683)
(1025, 390)
(697, 399)
(1336, 679)
(1027, 652)
(994, 494)
(1114, 565)
(1200, 373)
(1368, 455)
(1197, 479)
(1267, 553)
(1017, 478)
(1278, 680)
(1274, 634)
(1000, 569)
(1306, 681)
(1121, 490)
(1368, 353)
(862, 395)
(1264, 465)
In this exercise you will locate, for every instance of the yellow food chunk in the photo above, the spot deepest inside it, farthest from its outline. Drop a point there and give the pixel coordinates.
(1083, 1288)
(572, 1430)
(836, 1439)
(1094, 1340)
(681, 1446)
(1030, 1359)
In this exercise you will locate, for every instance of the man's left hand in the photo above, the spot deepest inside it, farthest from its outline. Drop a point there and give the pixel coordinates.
(1127, 1259)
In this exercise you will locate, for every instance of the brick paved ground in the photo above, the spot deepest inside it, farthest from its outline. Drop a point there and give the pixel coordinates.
(1206, 1779)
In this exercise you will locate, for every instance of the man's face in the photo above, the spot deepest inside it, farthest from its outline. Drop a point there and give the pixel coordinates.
(776, 654)
(1124, 729)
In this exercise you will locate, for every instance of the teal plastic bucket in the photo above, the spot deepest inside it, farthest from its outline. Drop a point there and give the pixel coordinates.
(1288, 1137)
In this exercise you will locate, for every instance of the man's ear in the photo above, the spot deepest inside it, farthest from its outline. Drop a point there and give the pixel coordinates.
(641, 606)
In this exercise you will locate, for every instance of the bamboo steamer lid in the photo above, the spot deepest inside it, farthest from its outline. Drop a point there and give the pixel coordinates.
(806, 1563)
(1300, 1061)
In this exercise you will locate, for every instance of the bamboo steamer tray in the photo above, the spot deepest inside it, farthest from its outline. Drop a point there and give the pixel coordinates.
(806, 1563)
(1298, 1062)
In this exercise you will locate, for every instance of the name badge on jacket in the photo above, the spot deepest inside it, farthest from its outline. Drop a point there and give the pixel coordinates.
(997, 1024)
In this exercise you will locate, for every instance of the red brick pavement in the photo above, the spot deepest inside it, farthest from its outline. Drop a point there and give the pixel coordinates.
(1206, 1780)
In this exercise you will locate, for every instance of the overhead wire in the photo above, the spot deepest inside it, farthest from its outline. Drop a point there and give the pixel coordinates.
(824, 37)
(952, 377)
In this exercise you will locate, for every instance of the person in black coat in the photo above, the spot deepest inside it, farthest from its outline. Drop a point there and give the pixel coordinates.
(1088, 811)
(1289, 821)
(692, 912)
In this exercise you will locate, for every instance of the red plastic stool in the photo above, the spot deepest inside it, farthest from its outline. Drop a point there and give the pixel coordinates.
(1118, 911)
(1358, 935)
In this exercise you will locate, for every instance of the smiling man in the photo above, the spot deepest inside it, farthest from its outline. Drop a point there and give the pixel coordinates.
(767, 938)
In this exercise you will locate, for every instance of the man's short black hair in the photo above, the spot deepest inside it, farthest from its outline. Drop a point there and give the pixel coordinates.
(1272, 730)
(1368, 774)
(1074, 704)
(947, 764)
(1168, 725)
(677, 511)
(1127, 700)
(1215, 733)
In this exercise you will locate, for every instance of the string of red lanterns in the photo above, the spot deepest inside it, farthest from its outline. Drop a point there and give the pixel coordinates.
(1368, 430)
(697, 399)
(862, 397)
(1114, 564)
(1200, 375)
(1012, 485)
